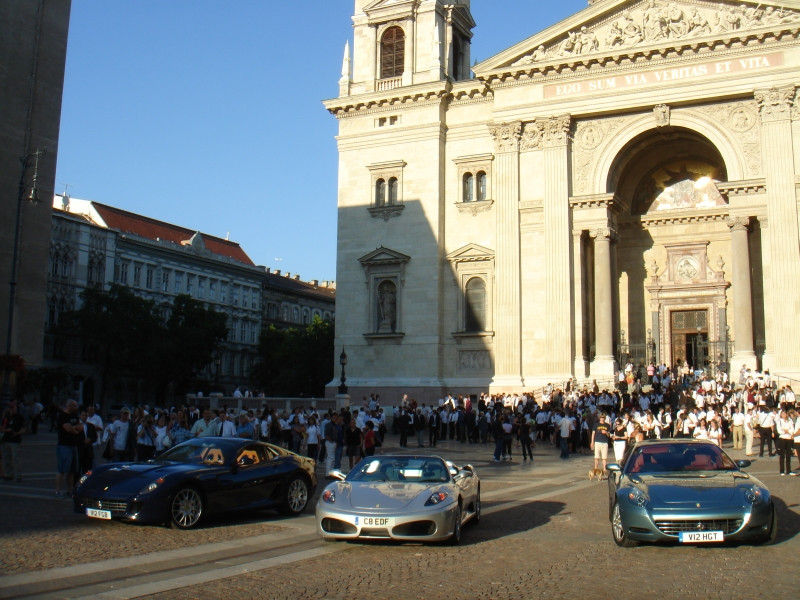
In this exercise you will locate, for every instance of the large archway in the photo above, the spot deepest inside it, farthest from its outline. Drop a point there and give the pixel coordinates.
(671, 292)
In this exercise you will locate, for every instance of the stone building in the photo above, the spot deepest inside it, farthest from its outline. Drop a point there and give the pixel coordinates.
(291, 302)
(33, 46)
(620, 186)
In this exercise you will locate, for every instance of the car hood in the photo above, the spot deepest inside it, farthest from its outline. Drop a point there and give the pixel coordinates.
(677, 490)
(130, 478)
(383, 495)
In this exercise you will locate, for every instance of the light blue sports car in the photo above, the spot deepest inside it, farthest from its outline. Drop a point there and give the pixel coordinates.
(687, 491)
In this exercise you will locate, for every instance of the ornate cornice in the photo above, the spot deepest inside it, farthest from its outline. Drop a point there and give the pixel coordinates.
(738, 223)
(386, 212)
(474, 208)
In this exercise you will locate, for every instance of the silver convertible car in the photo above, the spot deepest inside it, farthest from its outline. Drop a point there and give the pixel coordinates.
(407, 498)
(687, 491)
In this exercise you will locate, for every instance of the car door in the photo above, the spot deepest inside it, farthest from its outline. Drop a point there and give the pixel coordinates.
(248, 480)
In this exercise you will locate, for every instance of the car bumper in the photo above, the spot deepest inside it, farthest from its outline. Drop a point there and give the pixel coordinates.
(153, 510)
(423, 526)
(737, 524)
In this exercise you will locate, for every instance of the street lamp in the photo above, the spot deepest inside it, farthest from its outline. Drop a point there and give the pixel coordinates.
(33, 197)
(343, 362)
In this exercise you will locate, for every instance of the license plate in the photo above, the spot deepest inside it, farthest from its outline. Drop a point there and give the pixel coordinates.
(96, 513)
(698, 537)
(375, 521)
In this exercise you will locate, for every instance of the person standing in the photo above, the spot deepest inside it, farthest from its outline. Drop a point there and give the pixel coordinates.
(565, 427)
(146, 435)
(497, 435)
(369, 438)
(86, 447)
(600, 437)
(69, 429)
(433, 427)
(785, 427)
(737, 422)
(525, 439)
(620, 437)
(12, 428)
(403, 425)
(352, 440)
(312, 439)
(123, 436)
(330, 443)
(765, 424)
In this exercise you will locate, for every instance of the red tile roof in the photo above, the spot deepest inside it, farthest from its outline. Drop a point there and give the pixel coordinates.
(128, 222)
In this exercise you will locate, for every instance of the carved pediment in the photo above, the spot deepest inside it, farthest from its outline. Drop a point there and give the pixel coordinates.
(615, 27)
(384, 256)
(385, 10)
(470, 253)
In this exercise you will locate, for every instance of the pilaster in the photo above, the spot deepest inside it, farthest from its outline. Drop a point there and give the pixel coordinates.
(742, 293)
(776, 106)
(508, 320)
(604, 364)
(580, 362)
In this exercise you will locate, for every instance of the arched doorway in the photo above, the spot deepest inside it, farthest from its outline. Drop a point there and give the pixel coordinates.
(671, 289)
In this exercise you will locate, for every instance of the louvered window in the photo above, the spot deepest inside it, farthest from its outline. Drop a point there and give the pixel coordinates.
(393, 46)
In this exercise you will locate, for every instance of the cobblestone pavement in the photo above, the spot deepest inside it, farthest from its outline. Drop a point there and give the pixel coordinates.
(544, 533)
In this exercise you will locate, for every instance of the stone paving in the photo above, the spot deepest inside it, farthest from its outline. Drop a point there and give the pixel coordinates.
(552, 540)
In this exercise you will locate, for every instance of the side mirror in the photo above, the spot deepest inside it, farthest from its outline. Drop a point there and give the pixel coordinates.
(743, 464)
(614, 467)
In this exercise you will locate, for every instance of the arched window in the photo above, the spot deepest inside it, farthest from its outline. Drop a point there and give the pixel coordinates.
(392, 191)
(295, 315)
(468, 194)
(380, 193)
(306, 316)
(481, 186)
(475, 305)
(393, 45)
(387, 307)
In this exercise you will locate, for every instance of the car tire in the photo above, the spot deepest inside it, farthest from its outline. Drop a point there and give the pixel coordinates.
(295, 496)
(455, 537)
(477, 517)
(618, 531)
(186, 508)
(772, 535)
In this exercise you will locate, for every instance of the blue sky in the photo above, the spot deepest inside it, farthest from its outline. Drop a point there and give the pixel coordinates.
(207, 113)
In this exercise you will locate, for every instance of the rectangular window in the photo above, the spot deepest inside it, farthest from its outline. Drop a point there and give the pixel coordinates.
(149, 282)
(256, 294)
(243, 331)
(223, 292)
(123, 273)
(201, 288)
(245, 297)
(190, 285)
(165, 281)
(212, 291)
(178, 282)
(235, 300)
(137, 276)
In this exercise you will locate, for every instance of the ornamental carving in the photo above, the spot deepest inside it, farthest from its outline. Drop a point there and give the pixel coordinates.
(659, 22)
(741, 119)
(661, 114)
(532, 136)
(775, 104)
(556, 131)
(603, 233)
(506, 136)
(738, 223)
(589, 137)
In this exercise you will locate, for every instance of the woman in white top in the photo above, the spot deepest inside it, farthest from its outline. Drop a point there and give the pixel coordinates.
(715, 433)
(312, 438)
(785, 439)
(795, 417)
(162, 435)
(700, 431)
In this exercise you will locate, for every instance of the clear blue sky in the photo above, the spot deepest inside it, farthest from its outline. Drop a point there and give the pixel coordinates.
(207, 113)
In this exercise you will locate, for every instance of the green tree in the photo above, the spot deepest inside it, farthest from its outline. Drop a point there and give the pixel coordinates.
(295, 362)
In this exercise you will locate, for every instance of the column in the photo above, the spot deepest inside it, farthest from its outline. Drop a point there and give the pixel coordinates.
(580, 363)
(775, 106)
(742, 295)
(604, 365)
(508, 307)
(770, 329)
(558, 247)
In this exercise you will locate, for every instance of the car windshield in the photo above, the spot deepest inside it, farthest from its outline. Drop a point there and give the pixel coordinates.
(669, 458)
(200, 450)
(405, 469)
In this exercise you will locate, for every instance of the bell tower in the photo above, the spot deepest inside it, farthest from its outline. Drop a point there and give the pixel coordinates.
(407, 42)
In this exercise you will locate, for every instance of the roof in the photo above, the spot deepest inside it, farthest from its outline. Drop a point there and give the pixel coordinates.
(296, 286)
(128, 222)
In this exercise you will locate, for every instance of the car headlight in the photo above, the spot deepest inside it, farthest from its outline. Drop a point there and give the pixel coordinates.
(151, 487)
(638, 497)
(329, 496)
(85, 476)
(754, 495)
(436, 498)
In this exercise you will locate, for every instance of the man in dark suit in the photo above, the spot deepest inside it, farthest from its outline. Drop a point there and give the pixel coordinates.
(86, 447)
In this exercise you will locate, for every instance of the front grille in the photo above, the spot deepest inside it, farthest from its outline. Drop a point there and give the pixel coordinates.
(416, 529)
(336, 526)
(117, 507)
(375, 532)
(675, 526)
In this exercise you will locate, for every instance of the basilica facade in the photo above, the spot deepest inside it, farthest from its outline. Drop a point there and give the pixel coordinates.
(621, 186)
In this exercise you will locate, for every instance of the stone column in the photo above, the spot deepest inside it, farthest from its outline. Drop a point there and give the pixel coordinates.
(557, 247)
(742, 294)
(604, 365)
(776, 106)
(771, 330)
(508, 317)
(580, 363)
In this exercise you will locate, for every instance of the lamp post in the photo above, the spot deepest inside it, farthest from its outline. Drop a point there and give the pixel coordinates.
(343, 362)
(33, 197)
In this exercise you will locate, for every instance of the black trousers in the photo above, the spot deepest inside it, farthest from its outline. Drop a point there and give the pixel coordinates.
(766, 438)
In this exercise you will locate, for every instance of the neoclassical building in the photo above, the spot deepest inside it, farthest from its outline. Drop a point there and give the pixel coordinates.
(621, 185)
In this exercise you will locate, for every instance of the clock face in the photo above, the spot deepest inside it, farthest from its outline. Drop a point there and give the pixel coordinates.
(687, 267)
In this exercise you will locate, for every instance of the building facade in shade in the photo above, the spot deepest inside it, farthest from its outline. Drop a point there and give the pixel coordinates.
(619, 186)
(291, 302)
(95, 245)
(33, 46)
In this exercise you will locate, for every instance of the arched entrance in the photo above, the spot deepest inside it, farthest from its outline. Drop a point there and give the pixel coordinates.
(671, 251)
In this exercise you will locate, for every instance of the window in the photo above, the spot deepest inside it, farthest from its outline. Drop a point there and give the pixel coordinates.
(149, 280)
(387, 189)
(190, 285)
(243, 331)
(137, 275)
(306, 316)
(473, 268)
(245, 297)
(165, 281)
(385, 271)
(475, 305)
(123, 273)
(201, 288)
(178, 282)
(235, 299)
(393, 44)
(474, 173)
(481, 186)
(295, 315)
(469, 187)
(380, 193)
(212, 291)
(66, 265)
(223, 292)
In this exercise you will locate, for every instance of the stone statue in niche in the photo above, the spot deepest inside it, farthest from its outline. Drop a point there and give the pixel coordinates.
(387, 305)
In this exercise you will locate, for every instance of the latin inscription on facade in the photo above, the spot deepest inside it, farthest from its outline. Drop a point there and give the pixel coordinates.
(676, 74)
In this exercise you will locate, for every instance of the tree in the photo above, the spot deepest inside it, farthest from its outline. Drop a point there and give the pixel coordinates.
(295, 362)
